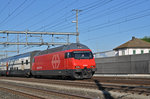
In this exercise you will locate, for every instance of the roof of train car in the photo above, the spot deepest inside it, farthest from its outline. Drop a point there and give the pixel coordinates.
(63, 48)
(57, 49)
(16, 57)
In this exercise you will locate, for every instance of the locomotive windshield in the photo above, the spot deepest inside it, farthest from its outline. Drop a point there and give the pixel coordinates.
(79, 55)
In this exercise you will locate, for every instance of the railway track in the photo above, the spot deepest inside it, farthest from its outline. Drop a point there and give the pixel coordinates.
(107, 86)
(115, 80)
(28, 92)
(124, 80)
(25, 95)
(95, 84)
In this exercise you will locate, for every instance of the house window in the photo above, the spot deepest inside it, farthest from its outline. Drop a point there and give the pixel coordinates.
(134, 51)
(142, 51)
(123, 52)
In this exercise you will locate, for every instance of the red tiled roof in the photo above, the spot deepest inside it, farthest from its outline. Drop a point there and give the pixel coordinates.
(134, 43)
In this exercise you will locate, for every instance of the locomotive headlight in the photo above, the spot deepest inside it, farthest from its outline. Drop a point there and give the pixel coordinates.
(77, 66)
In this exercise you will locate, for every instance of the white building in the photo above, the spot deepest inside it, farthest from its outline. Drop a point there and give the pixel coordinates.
(134, 46)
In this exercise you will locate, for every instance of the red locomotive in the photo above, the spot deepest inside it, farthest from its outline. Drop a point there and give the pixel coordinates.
(74, 60)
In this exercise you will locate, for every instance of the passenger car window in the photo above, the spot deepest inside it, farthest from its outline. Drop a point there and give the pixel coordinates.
(26, 62)
(22, 62)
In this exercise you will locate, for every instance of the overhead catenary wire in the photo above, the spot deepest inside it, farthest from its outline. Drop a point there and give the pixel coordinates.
(38, 14)
(48, 24)
(114, 8)
(69, 17)
(20, 12)
(124, 17)
(112, 34)
(5, 6)
(89, 4)
(117, 9)
(111, 10)
(112, 24)
(60, 22)
(101, 4)
(64, 26)
(13, 12)
(58, 12)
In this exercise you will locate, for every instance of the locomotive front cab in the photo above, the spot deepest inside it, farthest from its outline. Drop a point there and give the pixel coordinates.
(81, 63)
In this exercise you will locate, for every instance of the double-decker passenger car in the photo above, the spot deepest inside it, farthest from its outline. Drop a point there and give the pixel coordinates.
(19, 65)
(74, 60)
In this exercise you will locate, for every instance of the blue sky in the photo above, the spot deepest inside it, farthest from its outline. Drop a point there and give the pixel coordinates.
(103, 24)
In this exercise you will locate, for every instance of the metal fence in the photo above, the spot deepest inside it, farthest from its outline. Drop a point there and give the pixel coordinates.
(129, 64)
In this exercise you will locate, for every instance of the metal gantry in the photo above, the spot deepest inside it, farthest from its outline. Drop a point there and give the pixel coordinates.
(28, 42)
(37, 43)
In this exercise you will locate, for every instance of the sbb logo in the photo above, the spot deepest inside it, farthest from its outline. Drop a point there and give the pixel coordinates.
(55, 61)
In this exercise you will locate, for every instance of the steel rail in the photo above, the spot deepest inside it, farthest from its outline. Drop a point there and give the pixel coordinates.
(20, 93)
(64, 94)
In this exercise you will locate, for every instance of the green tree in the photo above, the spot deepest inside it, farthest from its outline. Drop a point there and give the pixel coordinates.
(146, 38)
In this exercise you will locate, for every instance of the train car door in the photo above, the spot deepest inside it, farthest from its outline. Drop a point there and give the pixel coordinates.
(66, 61)
(7, 69)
